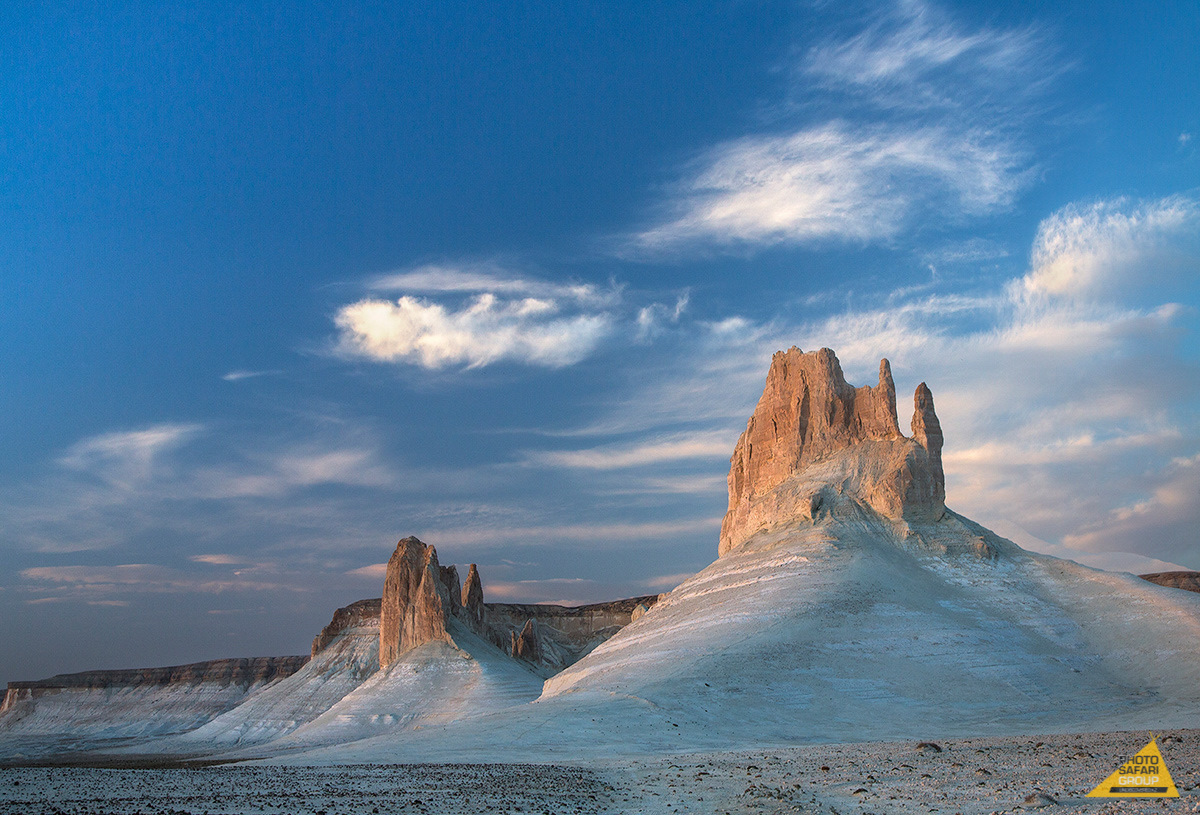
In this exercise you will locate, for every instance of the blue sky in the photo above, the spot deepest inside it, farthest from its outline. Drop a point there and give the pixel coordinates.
(279, 287)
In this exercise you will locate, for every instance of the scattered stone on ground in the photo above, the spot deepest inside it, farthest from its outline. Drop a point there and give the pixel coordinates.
(1021, 774)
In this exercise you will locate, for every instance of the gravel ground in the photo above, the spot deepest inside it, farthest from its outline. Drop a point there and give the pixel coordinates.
(969, 776)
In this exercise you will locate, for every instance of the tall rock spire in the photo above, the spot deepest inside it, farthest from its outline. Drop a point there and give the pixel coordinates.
(415, 601)
(927, 432)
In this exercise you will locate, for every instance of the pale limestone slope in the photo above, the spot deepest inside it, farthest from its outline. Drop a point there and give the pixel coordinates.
(847, 633)
(339, 668)
(432, 685)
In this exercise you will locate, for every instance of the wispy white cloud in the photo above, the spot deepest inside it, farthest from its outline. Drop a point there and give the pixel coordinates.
(928, 130)
(159, 482)
(590, 532)
(474, 315)
(915, 56)
(1168, 516)
(651, 319)
(376, 571)
(138, 578)
(840, 182)
(491, 278)
(281, 472)
(218, 559)
(126, 458)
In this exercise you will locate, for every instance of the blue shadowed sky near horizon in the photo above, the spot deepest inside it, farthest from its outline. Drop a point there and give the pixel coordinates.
(280, 286)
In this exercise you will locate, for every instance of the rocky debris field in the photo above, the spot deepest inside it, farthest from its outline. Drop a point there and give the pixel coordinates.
(349, 790)
(969, 776)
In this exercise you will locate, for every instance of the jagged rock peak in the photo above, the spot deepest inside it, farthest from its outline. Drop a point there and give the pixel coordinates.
(809, 414)
(472, 599)
(415, 600)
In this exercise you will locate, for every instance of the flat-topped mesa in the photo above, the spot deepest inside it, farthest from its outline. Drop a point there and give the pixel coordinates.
(809, 415)
(416, 601)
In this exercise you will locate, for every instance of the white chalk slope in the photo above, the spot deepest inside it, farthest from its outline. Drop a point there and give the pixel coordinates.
(341, 696)
(858, 629)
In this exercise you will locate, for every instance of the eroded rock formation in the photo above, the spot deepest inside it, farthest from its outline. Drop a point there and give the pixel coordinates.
(415, 601)
(526, 644)
(814, 438)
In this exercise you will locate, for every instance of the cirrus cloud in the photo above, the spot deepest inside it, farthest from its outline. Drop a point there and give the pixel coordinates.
(931, 129)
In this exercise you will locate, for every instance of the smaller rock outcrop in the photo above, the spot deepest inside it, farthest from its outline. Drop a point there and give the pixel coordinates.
(415, 601)
(526, 645)
(473, 611)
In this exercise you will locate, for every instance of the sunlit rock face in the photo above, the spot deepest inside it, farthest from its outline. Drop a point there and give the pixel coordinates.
(814, 441)
(415, 601)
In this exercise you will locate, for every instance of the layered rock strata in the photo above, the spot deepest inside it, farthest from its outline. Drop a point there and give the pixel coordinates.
(217, 673)
(814, 438)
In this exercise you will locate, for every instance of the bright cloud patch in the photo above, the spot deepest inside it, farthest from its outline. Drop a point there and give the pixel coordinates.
(485, 331)
(1113, 247)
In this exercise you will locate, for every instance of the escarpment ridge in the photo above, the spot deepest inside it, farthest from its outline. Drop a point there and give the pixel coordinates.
(245, 672)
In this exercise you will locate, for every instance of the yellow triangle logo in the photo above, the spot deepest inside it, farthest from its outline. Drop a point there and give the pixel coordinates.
(1143, 776)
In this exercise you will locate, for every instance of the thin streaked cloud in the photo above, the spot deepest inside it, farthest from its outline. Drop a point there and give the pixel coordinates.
(613, 457)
